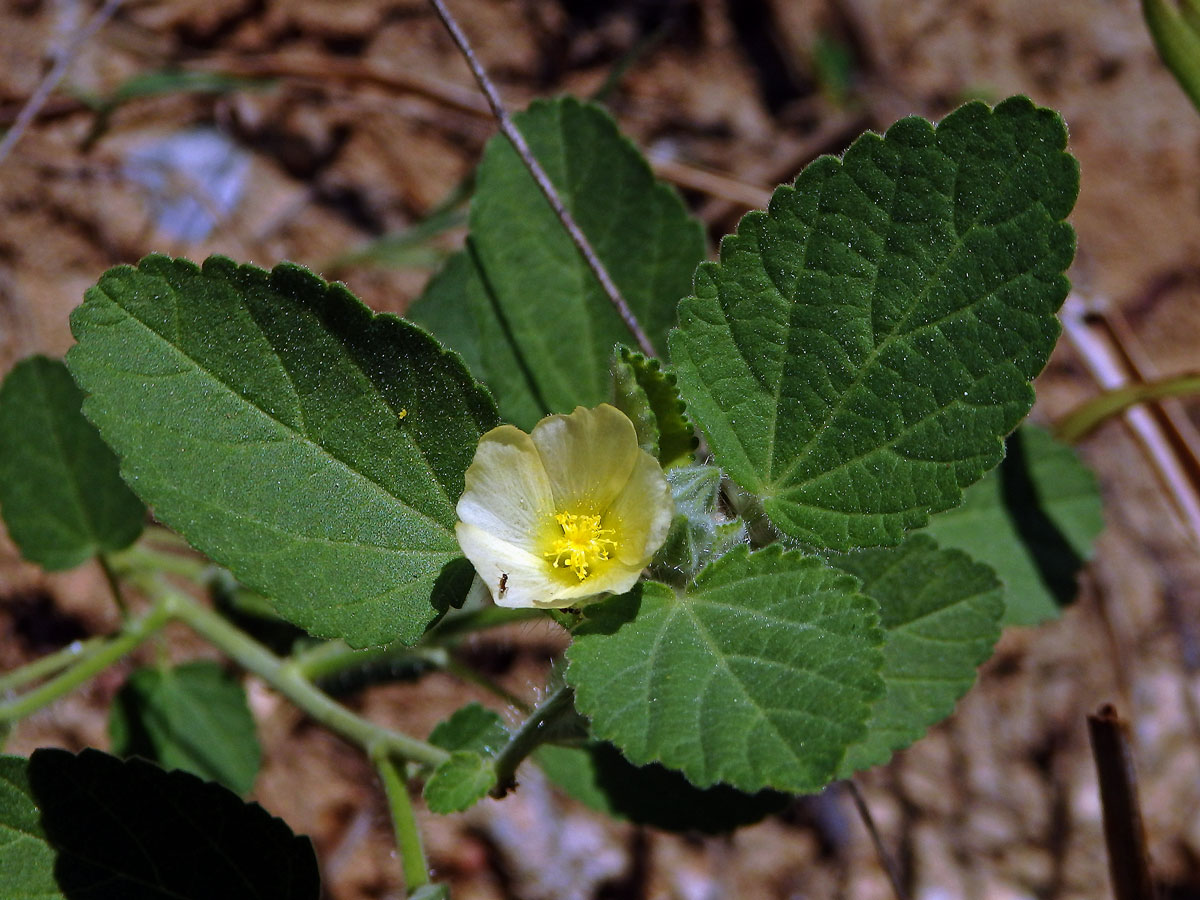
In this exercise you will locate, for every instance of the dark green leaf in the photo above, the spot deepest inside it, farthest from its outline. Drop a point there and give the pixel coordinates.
(311, 447)
(1033, 520)
(600, 777)
(528, 286)
(863, 347)
(62, 497)
(192, 717)
(459, 783)
(648, 395)
(941, 611)
(760, 674)
(102, 829)
(471, 728)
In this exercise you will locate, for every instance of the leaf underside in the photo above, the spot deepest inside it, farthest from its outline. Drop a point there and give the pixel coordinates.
(862, 348)
(760, 675)
(315, 449)
(520, 303)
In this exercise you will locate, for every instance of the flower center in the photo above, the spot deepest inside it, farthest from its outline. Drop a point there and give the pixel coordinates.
(582, 545)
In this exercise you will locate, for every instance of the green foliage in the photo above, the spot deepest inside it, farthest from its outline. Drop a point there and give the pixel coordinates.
(62, 497)
(760, 674)
(473, 727)
(192, 717)
(100, 828)
(698, 535)
(941, 612)
(520, 304)
(460, 782)
(26, 860)
(862, 348)
(648, 395)
(1034, 520)
(598, 776)
(311, 447)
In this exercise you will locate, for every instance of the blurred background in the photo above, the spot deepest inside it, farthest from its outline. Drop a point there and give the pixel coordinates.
(342, 133)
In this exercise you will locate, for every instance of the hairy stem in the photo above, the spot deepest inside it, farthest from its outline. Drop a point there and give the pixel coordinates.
(404, 822)
(130, 636)
(510, 131)
(529, 737)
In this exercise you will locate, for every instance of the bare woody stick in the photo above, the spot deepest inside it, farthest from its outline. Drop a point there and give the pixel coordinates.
(885, 859)
(514, 136)
(1124, 834)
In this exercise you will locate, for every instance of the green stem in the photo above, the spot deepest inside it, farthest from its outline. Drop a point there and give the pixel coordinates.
(48, 665)
(466, 673)
(286, 677)
(529, 737)
(133, 633)
(332, 657)
(404, 822)
(1084, 419)
(1178, 44)
(114, 586)
(139, 557)
(457, 624)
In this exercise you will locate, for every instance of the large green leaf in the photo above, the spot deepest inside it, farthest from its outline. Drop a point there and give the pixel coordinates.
(1033, 519)
(862, 347)
(26, 860)
(524, 306)
(103, 829)
(598, 776)
(942, 614)
(62, 497)
(192, 717)
(759, 675)
(313, 448)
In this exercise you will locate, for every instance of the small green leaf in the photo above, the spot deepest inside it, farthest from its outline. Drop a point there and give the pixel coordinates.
(471, 728)
(601, 778)
(698, 534)
(62, 497)
(1034, 520)
(941, 611)
(96, 827)
(314, 449)
(646, 393)
(863, 347)
(26, 860)
(459, 783)
(192, 717)
(540, 327)
(760, 674)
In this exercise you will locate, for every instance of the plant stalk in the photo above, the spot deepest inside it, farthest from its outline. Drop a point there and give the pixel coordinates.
(404, 821)
(530, 736)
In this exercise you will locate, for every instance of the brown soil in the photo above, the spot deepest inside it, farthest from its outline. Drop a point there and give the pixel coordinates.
(372, 120)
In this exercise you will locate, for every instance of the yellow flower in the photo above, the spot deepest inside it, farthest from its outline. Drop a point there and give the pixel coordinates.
(573, 510)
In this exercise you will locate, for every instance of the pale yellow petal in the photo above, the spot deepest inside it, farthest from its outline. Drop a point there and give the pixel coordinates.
(588, 456)
(507, 489)
(515, 577)
(641, 514)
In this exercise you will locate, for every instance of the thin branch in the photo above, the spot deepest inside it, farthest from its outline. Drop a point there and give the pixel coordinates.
(56, 74)
(404, 822)
(509, 130)
(885, 859)
(1124, 834)
(533, 733)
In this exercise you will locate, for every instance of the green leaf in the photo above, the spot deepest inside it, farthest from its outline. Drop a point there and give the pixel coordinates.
(62, 497)
(698, 534)
(471, 728)
(100, 828)
(1034, 520)
(314, 449)
(459, 783)
(941, 611)
(760, 675)
(192, 717)
(863, 347)
(26, 860)
(601, 778)
(646, 393)
(530, 289)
